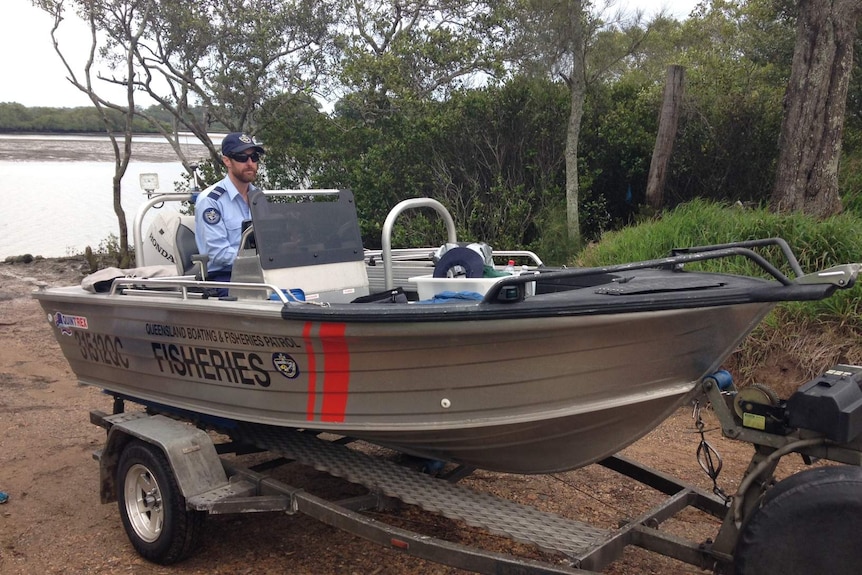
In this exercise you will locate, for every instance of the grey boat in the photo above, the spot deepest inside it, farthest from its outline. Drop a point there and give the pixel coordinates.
(547, 370)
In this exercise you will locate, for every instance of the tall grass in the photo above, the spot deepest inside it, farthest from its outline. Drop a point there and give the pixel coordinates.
(818, 244)
(799, 339)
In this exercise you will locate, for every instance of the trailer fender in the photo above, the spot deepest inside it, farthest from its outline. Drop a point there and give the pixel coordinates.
(189, 450)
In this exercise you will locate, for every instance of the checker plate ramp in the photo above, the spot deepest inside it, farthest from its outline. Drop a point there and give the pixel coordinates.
(523, 523)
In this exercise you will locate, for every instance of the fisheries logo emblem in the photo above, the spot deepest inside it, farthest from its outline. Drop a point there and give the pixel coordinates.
(285, 365)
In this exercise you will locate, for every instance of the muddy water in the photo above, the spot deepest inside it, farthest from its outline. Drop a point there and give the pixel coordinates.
(55, 191)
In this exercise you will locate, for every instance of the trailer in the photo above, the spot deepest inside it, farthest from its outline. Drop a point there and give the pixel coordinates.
(167, 469)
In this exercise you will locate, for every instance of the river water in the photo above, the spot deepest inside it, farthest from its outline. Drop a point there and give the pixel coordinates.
(56, 190)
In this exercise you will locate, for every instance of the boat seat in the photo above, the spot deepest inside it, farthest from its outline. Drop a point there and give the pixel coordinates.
(186, 246)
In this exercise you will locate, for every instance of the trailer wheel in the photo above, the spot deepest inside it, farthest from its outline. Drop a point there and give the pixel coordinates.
(152, 508)
(808, 523)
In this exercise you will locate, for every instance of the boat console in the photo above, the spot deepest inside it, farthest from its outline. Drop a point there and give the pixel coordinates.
(307, 241)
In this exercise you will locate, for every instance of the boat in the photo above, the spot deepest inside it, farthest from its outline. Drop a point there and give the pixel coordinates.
(434, 352)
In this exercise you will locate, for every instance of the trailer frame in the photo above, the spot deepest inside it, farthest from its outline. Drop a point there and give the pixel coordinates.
(210, 483)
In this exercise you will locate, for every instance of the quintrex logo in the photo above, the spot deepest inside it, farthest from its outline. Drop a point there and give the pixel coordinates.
(66, 322)
(285, 365)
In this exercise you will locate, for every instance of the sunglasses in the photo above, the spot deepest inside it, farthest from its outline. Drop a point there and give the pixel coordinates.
(243, 158)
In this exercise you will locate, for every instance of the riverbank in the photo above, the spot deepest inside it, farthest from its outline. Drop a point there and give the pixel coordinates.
(150, 148)
(20, 275)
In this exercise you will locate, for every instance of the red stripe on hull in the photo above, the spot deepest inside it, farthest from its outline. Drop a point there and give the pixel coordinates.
(336, 365)
(311, 370)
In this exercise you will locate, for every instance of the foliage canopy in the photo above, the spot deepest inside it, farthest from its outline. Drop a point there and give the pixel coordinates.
(436, 98)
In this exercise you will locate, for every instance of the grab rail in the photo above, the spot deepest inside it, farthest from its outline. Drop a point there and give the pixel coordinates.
(386, 234)
(780, 242)
(184, 284)
(841, 276)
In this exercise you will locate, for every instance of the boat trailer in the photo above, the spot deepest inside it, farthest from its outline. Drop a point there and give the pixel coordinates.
(168, 469)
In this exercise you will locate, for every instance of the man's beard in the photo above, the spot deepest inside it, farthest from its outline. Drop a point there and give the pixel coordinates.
(244, 176)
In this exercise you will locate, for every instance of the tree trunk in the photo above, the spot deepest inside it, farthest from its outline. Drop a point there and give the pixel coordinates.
(814, 106)
(572, 136)
(124, 255)
(668, 121)
(577, 88)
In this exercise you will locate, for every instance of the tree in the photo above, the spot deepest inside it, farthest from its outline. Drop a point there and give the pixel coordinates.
(222, 59)
(392, 50)
(206, 62)
(737, 59)
(814, 107)
(128, 21)
(497, 158)
(564, 39)
(673, 94)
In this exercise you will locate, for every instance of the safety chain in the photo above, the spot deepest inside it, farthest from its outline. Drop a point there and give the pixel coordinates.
(707, 456)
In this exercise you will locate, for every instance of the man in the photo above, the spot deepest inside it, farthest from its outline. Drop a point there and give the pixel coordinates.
(221, 209)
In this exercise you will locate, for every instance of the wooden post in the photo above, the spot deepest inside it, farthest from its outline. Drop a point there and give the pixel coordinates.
(673, 93)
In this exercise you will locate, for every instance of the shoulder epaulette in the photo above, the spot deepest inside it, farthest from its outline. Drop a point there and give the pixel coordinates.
(217, 192)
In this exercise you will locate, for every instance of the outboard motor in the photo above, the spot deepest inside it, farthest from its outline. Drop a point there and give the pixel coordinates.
(170, 240)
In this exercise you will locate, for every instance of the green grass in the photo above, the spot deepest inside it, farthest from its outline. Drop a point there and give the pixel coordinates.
(817, 244)
(799, 339)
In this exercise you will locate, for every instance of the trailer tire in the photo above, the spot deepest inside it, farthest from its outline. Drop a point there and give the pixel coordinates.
(152, 508)
(805, 524)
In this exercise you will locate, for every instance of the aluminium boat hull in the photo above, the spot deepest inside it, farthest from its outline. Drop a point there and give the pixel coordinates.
(549, 370)
(524, 394)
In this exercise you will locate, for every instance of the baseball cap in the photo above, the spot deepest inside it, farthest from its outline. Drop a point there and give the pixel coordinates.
(236, 142)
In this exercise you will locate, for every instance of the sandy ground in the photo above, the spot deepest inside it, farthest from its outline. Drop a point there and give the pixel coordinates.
(54, 522)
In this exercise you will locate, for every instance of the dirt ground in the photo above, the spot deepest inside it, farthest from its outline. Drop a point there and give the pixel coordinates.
(53, 521)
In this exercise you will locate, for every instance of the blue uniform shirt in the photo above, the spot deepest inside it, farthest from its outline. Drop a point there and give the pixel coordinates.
(219, 213)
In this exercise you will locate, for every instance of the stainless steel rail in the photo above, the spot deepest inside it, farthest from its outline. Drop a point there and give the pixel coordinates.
(182, 285)
(386, 235)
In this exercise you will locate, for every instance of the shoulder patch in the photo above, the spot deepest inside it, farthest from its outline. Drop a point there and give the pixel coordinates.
(212, 216)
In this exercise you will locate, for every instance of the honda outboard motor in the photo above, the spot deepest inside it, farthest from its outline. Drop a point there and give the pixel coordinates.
(170, 240)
